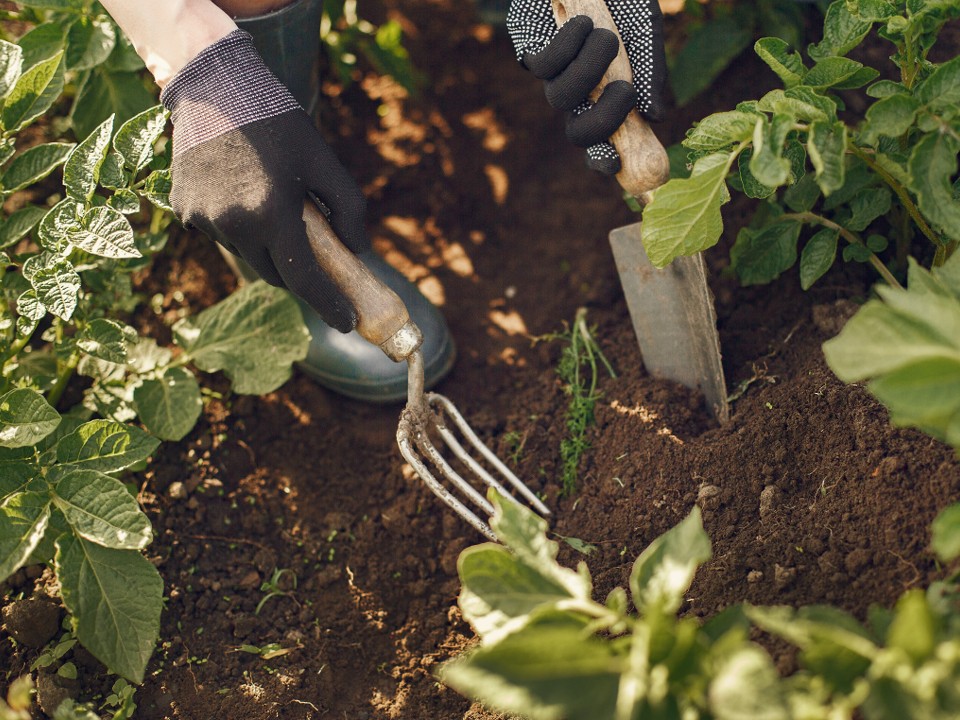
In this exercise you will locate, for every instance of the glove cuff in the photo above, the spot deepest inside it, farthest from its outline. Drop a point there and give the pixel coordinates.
(226, 86)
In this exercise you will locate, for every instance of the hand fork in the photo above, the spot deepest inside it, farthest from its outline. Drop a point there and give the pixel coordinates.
(384, 321)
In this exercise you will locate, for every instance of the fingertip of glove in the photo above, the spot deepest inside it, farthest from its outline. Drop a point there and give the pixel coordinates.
(607, 163)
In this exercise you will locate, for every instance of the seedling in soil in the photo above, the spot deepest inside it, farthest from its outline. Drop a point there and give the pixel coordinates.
(273, 589)
(579, 370)
(268, 651)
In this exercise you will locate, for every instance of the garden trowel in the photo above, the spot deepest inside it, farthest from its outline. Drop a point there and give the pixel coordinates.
(671, 308)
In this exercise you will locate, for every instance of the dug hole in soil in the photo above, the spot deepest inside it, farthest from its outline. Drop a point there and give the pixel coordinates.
(808, 494)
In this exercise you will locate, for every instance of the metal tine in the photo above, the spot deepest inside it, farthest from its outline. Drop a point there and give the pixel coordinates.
(408, 452)
(488, 454)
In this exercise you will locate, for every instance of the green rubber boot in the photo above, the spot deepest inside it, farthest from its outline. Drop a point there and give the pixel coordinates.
(289, 41)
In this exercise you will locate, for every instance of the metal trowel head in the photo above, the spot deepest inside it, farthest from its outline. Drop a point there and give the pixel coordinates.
(674, 318)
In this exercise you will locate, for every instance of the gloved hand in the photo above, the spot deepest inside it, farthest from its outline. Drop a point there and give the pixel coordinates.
(571, 61)
(245, 155)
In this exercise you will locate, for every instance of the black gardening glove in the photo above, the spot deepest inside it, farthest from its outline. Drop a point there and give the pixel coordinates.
(571, 61)
(245, 157)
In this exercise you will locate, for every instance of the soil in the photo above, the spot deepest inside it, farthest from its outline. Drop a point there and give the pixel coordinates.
(808, 494)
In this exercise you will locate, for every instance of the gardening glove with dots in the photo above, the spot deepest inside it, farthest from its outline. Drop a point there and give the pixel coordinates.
(245, 157)
(571, 61)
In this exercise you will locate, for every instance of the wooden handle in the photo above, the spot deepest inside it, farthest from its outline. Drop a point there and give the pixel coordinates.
(382, 315)
(644, 162)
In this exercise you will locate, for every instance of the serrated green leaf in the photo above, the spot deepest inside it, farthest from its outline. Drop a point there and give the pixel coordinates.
(761, 256)
(885, 88)
(125, 201)
(82, 169)
(891, 116)
(258, 315)
(33, 165)
(818, 256)
(665, 569)
(104, 339)
(831, 72)
(99, 508)
(29, 306)
(25, 418)
(767, 163)
(124, 94)
(747, 687)
(684, 216)
(90, 40)
(941, 90)
(105, 446)
(842, 32)
(800, 103)
(706, 53)
(114, 597)
(787, 64)
(866, 206)
(58, 288)
(23, 520)
(872, 10)
(169, 405)
(136, 138)
(56, 225)
(751, 187)
(35, 91)
(19, 224)
(156, 188)
(945, 533)
(11, 61)
(933, 163)
(543, 672)
(721, 130)
(826, 146)
(105, 232)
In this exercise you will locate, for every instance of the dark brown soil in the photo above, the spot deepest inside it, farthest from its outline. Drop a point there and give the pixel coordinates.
(808, 494)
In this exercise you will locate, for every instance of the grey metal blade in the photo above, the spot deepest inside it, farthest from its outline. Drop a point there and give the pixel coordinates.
(673, 317)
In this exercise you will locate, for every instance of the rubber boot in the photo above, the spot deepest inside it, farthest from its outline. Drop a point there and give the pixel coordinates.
(289, 41)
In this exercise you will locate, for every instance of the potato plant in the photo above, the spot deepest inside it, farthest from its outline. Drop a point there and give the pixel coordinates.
(75, 376)
(548, 650)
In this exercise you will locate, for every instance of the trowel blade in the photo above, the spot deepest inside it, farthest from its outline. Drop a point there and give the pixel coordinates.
(673, 317)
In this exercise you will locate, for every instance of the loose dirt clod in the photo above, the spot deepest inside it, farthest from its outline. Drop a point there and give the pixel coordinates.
(32, 621)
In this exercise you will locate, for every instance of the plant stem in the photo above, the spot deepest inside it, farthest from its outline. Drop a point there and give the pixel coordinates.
(15, 349)
(850, 237)
(63, 378)
(901, 192)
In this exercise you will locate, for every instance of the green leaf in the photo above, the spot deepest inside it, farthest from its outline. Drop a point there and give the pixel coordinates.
(99, 508)
(707, 52)
(543, 672)
(945, 532)
(924, 396)
(114, 597)
(826, 145)
(112, 174)
(58, 288)
(41, 43)
(33, 165)
(785, 63)
(800, 103)
(933, 163)
(665, 569)
(135, 140)
(818, 256)
(767, 163)
(25, 418)
(891, 116)
(105, 232)
(124, 201)
(941, 90)
(105, 446)
(90, 41)
(747, 686)
(82, 169)
(866, 206)
(721, 130)
(170, 404)
(23, 520)
(156, 189)
(684, 216)
(104, 339)
(256, 316)
(57, 224)
(842, 32)
(885, 88)
(803, 195)
(860, 78)
(831, 72)
(19, 224)
(29, 306)
(11, 60)
(34, 93)
(913, 629)
(761, 256)
(123, 94)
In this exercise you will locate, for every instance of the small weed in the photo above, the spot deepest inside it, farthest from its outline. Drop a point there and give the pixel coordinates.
(515, 442)
(268, 651)
(272, 587)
